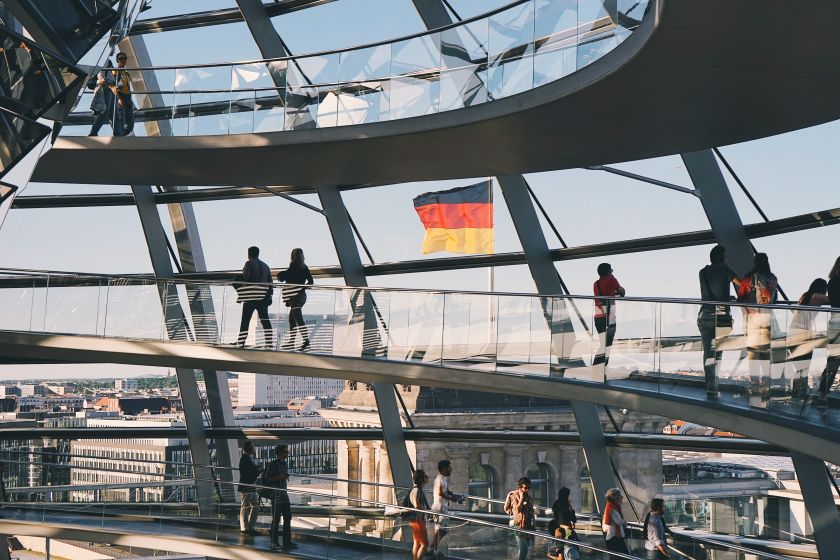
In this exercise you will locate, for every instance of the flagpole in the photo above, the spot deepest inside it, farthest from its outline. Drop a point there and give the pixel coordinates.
(491, 275)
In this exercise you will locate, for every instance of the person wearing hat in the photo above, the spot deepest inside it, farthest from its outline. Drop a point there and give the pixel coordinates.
(606, 285)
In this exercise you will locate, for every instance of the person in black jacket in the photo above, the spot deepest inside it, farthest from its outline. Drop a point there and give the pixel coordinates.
(833, 343)
(255, 295)
(294, 296)
(564, 513)
(248, 474)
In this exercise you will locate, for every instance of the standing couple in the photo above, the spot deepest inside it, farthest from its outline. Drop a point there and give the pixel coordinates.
(256, 291)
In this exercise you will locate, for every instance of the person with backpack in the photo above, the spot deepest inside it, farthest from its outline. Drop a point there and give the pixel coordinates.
(564, 550)
(416, 519)
(760, 286)
(294, 297)
(656, 544)
(714, 321)
(606, 285)
(520, 507)
(277, 476)
(801, 335)
(833, 342)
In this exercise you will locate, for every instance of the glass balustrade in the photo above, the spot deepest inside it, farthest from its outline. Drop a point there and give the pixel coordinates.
(523, 45)
(332, 518)
(779, 360)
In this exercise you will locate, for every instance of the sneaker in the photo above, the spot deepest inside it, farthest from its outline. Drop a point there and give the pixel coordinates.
(305, 345)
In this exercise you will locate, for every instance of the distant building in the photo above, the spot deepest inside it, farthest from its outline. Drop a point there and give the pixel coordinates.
(125, 385)
(132, 406)
(258, 390)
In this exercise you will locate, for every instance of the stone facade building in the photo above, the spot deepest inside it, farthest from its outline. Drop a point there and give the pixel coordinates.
(491, 469)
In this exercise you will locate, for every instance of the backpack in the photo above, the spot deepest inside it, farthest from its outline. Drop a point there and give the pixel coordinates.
(570, 552)
(410, 515)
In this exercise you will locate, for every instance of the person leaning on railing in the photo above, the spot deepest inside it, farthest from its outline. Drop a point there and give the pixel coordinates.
(714, 321)
(248, 474)
(277, 476)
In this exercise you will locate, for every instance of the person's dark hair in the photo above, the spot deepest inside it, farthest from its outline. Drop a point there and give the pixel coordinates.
(604, 269)
(419, 476)
(122, 55)
(818, 286)
(442, 464)
(718, 254)
(761, 264)
(563, 496)
(835, 270)
(253, 252)
(280, 449)
(524, 480)
(247, 447)
(296, 260)
(657, 504)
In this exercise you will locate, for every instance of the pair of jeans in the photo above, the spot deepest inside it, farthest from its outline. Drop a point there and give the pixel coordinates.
(248, 511)
(297, 325)
(124, 121)
(524, 543)
(281, 508)
(248, 308)
(711, 335)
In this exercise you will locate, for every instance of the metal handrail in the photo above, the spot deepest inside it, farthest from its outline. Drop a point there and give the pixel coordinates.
(785, 305)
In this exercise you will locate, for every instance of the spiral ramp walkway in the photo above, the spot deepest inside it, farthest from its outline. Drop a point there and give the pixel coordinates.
(731, 64)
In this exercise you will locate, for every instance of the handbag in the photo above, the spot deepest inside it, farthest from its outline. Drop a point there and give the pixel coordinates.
(723, 318)
(410, 514)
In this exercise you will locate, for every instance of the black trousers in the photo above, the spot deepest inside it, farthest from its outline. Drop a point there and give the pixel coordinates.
(281, 507)
(602, 325)
(248, 308)
(297, 325)
(617, 544)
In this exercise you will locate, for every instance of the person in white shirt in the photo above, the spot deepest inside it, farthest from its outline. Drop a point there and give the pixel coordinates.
(442, 497)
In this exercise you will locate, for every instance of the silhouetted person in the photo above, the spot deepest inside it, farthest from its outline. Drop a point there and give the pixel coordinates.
(248, 474)
(605, 285)
(564, 513)
(295, 297)
(104, 100)
(759, 286)
(277, 476)
(125, 106)
(833, 343)
(714, 321)
(255, 297)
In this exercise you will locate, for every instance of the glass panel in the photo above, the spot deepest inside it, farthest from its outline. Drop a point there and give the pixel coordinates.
(301, 107)
(209, 113)
(242, 115)
(211, 78)
(596, 30)
(16, 299)
(679, 351)
(74, 309)
(555, 42)
(470, 331)
(463, 87)
(415, 65)
(511, 49)
(269, 110)
(134, 310)
(362, 97)
(180, 114)
(349, 322)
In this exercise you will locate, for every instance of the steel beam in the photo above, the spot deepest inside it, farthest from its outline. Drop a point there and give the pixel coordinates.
(547, 281)
(354, 275)
(720, 209)
(188, 387)
(191, 255)
(819, 502)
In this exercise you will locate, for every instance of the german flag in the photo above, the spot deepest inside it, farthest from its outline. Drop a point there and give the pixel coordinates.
(458, 220)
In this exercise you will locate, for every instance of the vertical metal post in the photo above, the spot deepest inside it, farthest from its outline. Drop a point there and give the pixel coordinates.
(819, 503)
(191, 254)
(354, 275)
(547, 281)
(729, 231)
(188, 387)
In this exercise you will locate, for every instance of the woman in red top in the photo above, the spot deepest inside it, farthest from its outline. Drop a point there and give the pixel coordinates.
(605, 285)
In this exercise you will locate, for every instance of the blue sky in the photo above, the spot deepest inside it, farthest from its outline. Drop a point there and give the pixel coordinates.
(789, 174)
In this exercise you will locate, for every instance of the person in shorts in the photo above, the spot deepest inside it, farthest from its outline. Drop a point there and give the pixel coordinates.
(440, 504)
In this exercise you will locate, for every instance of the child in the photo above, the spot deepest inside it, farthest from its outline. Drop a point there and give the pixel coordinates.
(562, 550)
